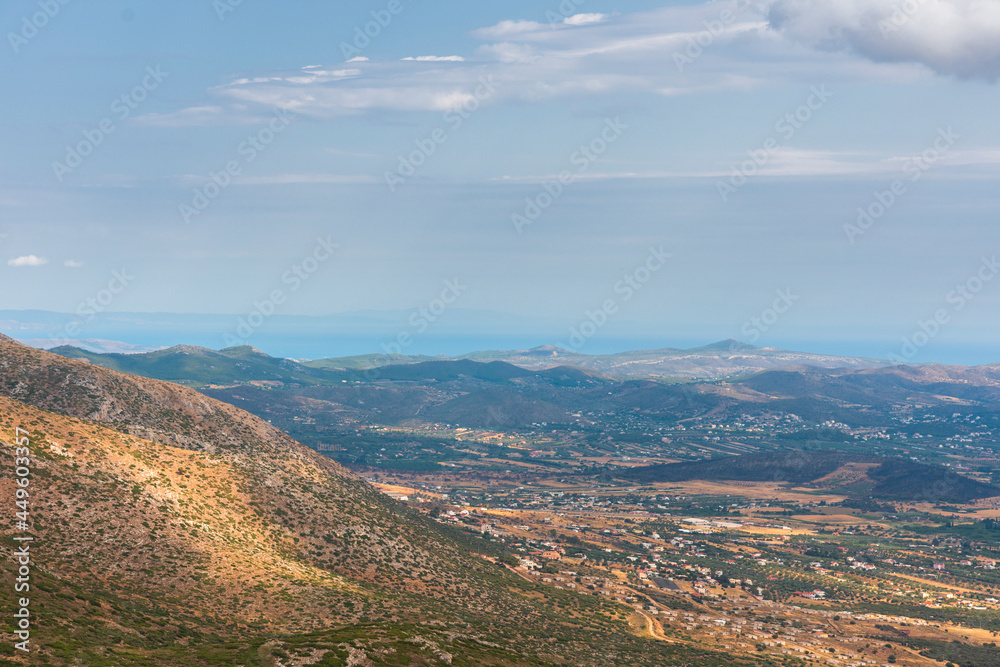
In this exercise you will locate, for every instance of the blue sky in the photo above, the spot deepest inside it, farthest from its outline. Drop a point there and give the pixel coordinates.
(741, 138)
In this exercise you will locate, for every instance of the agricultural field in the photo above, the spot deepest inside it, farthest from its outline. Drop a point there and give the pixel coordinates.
(764, 569)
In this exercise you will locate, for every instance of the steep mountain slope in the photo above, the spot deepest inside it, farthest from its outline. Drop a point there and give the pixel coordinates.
(293, 485)
(165, 520)
(141, 545)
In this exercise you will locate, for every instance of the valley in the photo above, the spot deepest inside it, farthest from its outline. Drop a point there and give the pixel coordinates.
(800, 515)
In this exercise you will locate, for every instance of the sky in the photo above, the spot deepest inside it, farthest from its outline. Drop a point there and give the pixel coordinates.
(816, 172)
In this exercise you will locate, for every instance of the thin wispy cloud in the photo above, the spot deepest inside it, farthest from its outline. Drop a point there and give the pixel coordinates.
(585, 54)
(803, 163)
(307, 179)
(194, 117)
(723, 45)
(436, 59)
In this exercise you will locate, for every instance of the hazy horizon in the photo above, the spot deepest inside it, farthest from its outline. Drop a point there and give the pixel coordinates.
(377, 332)
(681, 167)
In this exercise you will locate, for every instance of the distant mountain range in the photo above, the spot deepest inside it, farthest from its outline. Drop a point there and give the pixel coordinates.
(456, 333)
(298, 336)
(489, 391)
(725, 359)
(99, 345)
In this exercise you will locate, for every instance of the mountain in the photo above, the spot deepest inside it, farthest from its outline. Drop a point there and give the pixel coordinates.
(864, 397)
(495, 394)
(201, 366)
(444, 371)
(724, 359)
(296, 336)
(883, 478)
(174, 529)
(472, 392)
(196, 366)
(98, 345)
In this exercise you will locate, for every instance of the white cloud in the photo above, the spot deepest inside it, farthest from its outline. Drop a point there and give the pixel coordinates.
(506, 29)
(390, 88)
(437, 59)
(585, 19)
(790, 162)
(308, 179)
(952, 37)
(728, 45)
(532, 61)
(509, 52)
(27, 260)
(73, 263)
(189, 117)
